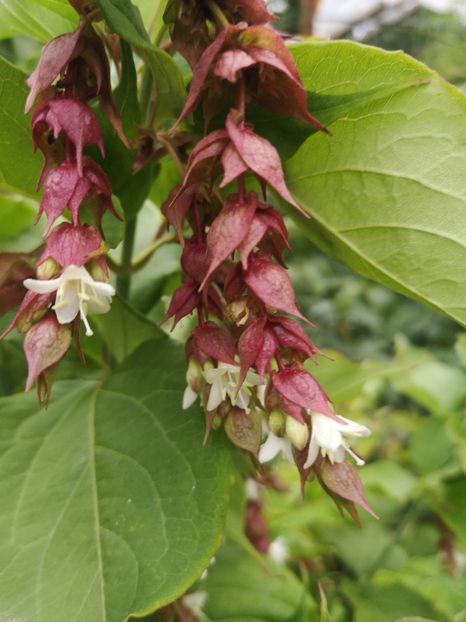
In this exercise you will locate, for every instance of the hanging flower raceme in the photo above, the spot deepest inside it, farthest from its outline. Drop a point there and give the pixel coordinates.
(69, 281)
(247, 354)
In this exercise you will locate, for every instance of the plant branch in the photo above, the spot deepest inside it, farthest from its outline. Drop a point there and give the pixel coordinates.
(123, 284)
(141, 260)
(217, 14)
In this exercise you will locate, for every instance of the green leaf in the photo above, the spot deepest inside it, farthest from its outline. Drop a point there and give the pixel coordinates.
(123, 329)
(126, 93)
(452, 509)
(113, 228)
(16, 214)
(239, 589)
(437, 386)
(387, 191)
(39, 19)
(19, 168)
(388, 603)
(169, 86)
(110, 504)
(124, 18)
(152, 14)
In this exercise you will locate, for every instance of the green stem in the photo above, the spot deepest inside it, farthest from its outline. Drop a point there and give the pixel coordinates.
(218, 14)
(123, 283)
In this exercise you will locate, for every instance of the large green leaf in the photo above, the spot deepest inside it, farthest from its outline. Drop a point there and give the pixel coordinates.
(239, 589)
(387, 191)
(110, 504)
(19, 168)
(39, 19)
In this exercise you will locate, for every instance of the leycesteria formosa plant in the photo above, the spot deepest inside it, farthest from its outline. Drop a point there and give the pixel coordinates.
(249, 359)
(246, 357)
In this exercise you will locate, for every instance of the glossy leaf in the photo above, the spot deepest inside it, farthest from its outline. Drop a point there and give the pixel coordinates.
(38, 19)
(19, 168)
(239, 588)
(387, 191)
(110, 505)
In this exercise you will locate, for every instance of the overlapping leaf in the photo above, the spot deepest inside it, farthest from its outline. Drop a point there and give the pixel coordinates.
(387, 192)
(110, 505)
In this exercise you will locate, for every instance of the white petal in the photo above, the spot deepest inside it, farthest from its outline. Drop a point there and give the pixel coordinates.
(189, 397)
(279, 551)
(287, 452)
(216, 396)
(76, 273)
(242, 400)
(354, 429)
(104, 289)
(261, 393)
(213, 374)
(235, 369)
(327, 432)
(312, 453)
(66, 305)
(271, 448)
(42, 287)
(252, 378)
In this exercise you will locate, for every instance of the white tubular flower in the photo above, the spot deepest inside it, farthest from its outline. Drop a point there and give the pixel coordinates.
(279, 551)
(224, 381)
(274, 445)
(77, 292)
(328, 437)
(189, 397)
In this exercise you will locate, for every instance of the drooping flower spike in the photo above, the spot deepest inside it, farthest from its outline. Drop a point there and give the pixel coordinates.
(247, 354)
(71, 273)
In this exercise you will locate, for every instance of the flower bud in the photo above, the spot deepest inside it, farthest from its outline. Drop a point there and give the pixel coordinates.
(47, 269)
(95, 269)
(277, 422)
(194, 376)
(208, 365)
(238, 311)
(298, 433)
(216, 422)
(23, 324)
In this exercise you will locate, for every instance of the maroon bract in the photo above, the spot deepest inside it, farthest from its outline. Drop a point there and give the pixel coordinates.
(80, 60)
(216, 343)
(299, 387)
(291, 335)
(64, 187)
(258, 56)
(185, 299)
(14, 268)
(260, 157)
(271, 284)
(70, 116)
(73, 245)
(268, 227)
(190, 34)
(54, 57)
(344, 485)
(250, 345)
(195, 260)
(44, 346)
(229, 229)
(176, 207)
